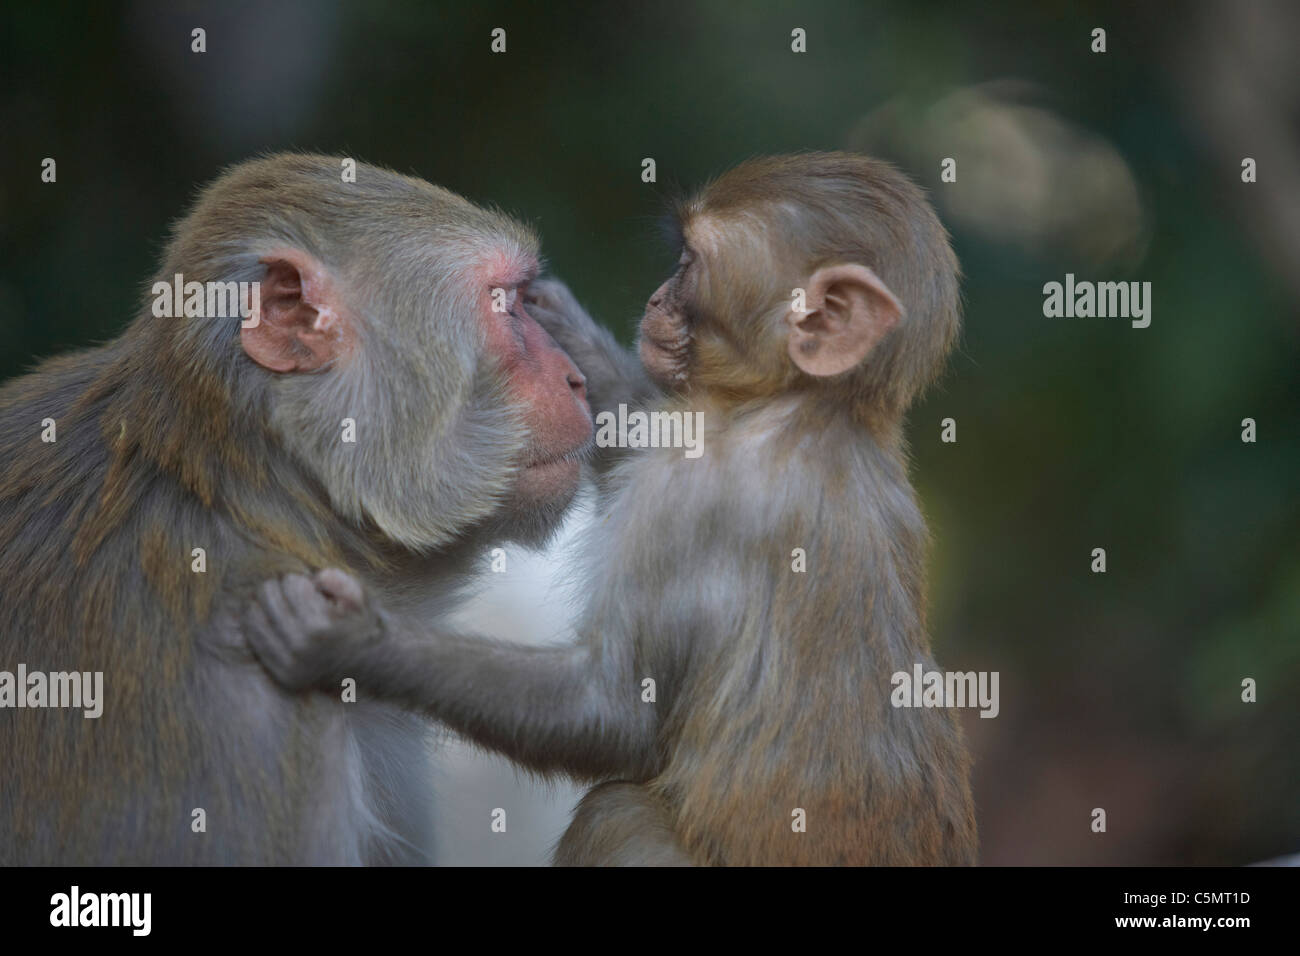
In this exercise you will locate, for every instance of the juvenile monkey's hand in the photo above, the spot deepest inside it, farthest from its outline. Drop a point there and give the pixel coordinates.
(312, 632)
(614, 375)
(550, 302)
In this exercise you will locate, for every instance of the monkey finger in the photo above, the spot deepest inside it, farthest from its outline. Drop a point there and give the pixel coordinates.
(275, 652)
(341, 588)
(556, 310)
(310, 608)
(265, 640)
(278, 610)
(548, 292)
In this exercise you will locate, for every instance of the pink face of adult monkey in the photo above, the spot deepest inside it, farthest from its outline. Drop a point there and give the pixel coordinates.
(313, 318)
(195, 459)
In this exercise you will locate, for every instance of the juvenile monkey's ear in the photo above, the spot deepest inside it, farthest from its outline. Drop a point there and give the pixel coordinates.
(301, 324)
(849, 310)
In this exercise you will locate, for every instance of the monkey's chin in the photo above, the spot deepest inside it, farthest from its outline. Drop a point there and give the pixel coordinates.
(664, 368)
(548, 481)
(541, 497)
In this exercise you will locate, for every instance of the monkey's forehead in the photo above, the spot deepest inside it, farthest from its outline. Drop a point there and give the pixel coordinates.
(507, 265)
(700, 230)
(306, 190)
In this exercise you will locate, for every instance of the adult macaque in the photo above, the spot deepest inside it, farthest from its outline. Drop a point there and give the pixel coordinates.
(815, 297)
(387, 302)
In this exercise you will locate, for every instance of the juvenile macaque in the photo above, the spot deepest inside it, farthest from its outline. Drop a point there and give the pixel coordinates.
(816, 295)
(376, 306)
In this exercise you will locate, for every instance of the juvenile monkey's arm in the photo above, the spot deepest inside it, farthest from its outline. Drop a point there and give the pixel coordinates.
(614, 374)
(549, 708)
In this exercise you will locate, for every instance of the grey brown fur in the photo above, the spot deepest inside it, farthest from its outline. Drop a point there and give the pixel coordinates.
(773, 687)
(169, 438)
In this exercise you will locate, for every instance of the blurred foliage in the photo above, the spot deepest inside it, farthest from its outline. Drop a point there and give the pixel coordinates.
(1118, 690)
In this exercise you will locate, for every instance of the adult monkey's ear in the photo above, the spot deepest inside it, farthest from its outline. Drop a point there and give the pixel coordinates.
(301, 324)
(849, 309)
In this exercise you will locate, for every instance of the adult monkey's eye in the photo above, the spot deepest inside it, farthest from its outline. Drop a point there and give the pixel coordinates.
(513, 304)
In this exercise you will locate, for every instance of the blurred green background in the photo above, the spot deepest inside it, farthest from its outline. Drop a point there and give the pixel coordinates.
(1119, 690)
